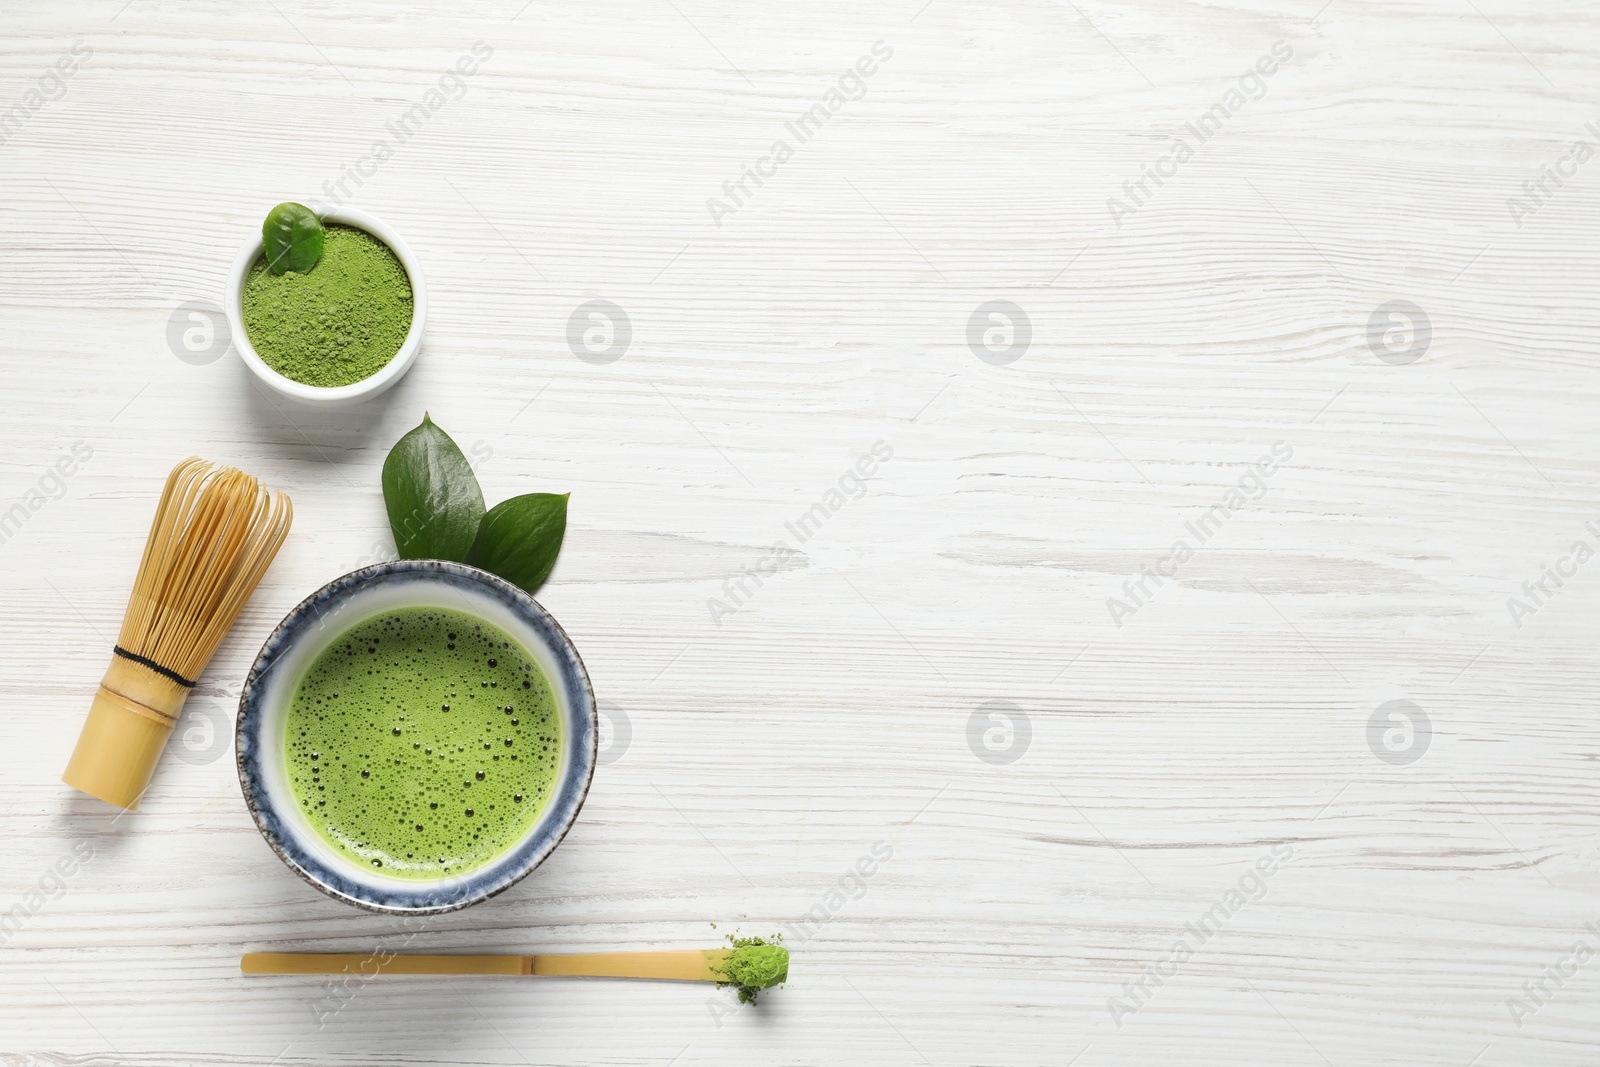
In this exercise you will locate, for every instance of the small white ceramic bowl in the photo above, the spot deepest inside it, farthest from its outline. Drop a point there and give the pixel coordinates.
(343, 395)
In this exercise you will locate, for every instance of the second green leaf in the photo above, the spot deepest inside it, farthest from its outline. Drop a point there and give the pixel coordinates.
(520, 538)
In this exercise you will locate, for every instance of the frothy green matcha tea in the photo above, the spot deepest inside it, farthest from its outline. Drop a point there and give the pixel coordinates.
(423, 741)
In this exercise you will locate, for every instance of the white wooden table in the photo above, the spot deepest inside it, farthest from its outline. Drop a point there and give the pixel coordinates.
(1085, 806)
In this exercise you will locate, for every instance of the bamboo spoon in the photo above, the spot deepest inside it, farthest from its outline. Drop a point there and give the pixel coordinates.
(693, 965)
(751, 965)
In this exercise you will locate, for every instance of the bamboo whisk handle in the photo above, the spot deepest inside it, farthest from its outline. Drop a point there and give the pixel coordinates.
(133, 713)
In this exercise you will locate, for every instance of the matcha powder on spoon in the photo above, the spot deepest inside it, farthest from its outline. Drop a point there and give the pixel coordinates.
(336, 324)
(754, 964)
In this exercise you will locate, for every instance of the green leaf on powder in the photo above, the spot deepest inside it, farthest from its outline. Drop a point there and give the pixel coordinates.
(291, 237)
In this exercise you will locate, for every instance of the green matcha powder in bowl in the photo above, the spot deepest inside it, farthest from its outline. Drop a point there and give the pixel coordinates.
(341, 332)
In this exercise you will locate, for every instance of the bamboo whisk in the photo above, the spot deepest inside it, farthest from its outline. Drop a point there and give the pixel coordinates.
(215, 532)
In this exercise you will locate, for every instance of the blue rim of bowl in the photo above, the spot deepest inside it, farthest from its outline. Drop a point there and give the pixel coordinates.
(500, 874)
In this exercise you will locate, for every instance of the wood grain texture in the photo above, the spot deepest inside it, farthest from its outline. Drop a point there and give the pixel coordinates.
(771, 748)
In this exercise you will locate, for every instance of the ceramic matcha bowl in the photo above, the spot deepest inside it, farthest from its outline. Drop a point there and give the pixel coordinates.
(288, 796)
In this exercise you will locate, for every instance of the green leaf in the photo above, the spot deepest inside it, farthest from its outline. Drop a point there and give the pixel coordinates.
(520, 538)
(291, 236)
(432, 496)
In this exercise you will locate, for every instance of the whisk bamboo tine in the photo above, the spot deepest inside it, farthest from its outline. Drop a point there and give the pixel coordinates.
(215, 532)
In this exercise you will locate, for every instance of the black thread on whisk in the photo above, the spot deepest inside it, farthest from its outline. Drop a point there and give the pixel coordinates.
(153, 665)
